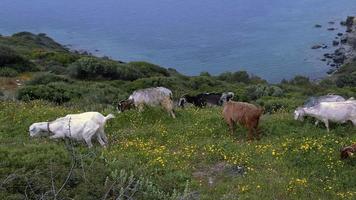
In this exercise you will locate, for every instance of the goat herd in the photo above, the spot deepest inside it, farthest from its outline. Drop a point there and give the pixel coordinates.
(85, 126)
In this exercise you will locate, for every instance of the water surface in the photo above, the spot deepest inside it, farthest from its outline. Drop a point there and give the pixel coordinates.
(269, 38)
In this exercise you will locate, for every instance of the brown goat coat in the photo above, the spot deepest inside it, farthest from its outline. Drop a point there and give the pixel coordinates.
(247, 115)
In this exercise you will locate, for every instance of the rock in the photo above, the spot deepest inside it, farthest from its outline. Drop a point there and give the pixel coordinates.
(343, 23)
(343, 39)
(340, 34)
(323, 59)
(350, 20)
(316, 46)
(330, 71)
(339, 59)
(331, 29)
(335, 43)
(324, 46)
(328, 55)
(340, 51)
(317, 26)
(332, 65)
(331, 22)
(349, 23)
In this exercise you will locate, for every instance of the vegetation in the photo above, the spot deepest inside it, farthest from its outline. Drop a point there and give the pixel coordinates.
(8, 72)
(150, 155)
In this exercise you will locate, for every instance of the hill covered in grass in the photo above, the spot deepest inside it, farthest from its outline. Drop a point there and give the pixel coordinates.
(150, 155)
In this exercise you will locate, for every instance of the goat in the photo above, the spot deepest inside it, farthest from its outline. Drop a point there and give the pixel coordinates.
(329, 111)
(247, 115)
(158, 96)
(74, 126)
(204, 99)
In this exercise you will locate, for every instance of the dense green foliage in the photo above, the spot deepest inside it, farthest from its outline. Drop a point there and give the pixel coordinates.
(8, 72)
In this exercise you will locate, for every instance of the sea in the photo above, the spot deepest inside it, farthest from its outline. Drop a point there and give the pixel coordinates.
(268, 38)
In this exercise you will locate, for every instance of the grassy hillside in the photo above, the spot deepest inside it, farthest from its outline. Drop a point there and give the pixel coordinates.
(293, 160)
(152, 156)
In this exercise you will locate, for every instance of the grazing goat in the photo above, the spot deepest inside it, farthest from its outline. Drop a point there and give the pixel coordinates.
(75, 126)
(329, 111)
(204, 99)
(158, 96)
(348, 151)
(248, 115)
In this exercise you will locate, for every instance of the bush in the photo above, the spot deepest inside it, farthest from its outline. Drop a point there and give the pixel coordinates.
(94, 68)
(326, 83)
(300, 80)
(128, 73)
(10, 58)
(257, 91)
(148, 69)
(346, 80)
(204, 74)
(58, 93)
(239, 76)
(273, 104)
(63, 58)
(40, 40)
(56, 69)
(8, 72)
(45, 78)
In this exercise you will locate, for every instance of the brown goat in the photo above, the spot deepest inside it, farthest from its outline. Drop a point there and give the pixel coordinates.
(247, 115)
(348, 151)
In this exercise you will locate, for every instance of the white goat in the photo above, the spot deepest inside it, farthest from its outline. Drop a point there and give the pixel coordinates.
(158, 96)
(75, 126)
(329, 111)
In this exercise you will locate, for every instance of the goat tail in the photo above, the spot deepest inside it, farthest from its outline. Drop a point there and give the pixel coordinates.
(109, 116)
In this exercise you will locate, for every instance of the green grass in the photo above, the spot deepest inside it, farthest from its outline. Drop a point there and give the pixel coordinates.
(292, 160)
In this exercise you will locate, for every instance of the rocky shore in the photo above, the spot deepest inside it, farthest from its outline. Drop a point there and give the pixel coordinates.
(346, 46)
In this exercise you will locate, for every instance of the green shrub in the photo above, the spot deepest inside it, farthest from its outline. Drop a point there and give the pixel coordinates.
(63, 58)
(346, 80)
(45, 78)
(326, 83)
(273, 104)
(204, 74)
(57, 92)
(8, 72)
(10, 58)
(56, 69)
(254, 92)
(300, 80)
(129, 73)
(40, 40)
(94, 68)
(148, 69)
(239, 76)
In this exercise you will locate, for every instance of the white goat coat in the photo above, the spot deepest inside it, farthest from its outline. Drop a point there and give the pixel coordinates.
(330, 111)
(158, 96)
(80, 127)
(150, 96)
